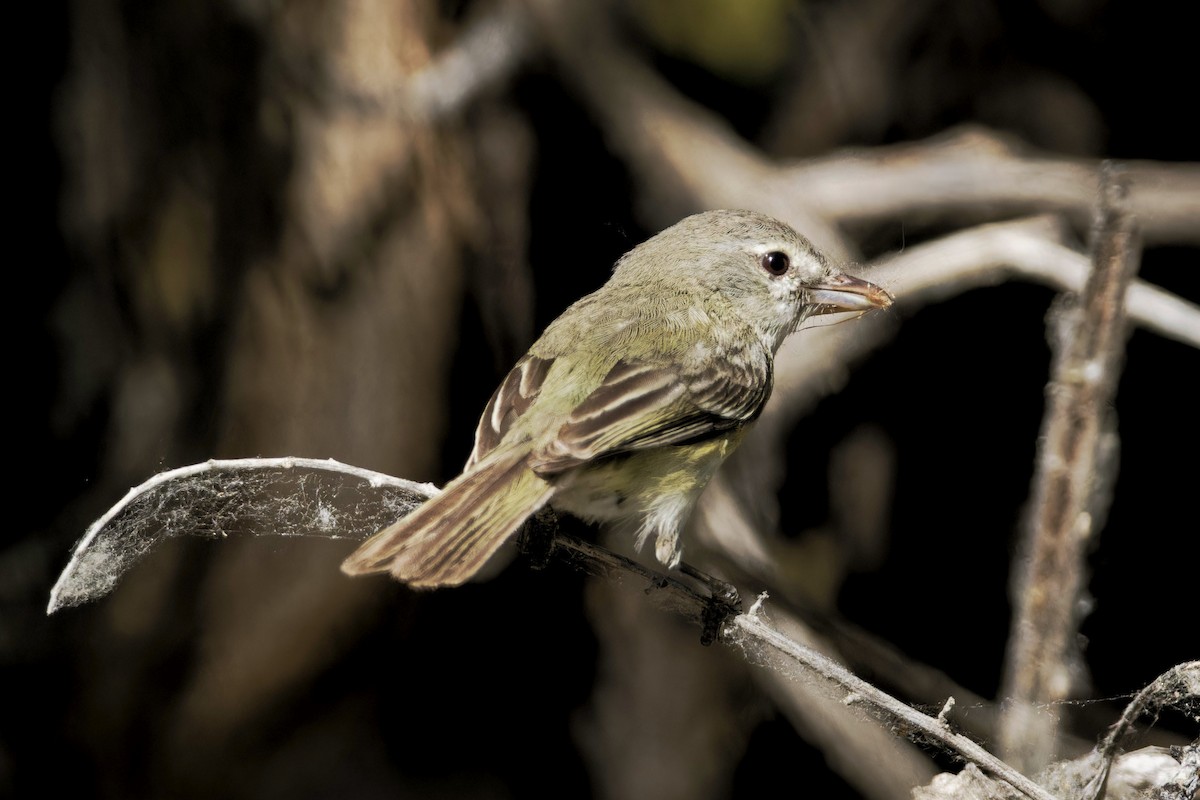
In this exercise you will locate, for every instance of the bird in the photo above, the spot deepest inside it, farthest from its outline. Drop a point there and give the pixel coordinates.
(625, 406)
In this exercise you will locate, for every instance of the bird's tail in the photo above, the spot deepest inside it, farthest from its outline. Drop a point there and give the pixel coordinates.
(451, 536)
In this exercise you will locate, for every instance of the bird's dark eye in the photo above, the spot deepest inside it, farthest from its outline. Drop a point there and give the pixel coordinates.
(776, 262)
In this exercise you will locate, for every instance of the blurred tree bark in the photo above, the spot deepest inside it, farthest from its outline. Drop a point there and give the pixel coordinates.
(286, 277)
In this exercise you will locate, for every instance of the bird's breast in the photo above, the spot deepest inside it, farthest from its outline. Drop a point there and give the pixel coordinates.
(628, 486)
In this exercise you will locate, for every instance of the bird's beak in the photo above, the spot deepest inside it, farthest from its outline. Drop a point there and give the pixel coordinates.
(844, 292)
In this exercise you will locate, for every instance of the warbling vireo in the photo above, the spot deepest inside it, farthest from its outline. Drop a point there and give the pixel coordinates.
(627, 404)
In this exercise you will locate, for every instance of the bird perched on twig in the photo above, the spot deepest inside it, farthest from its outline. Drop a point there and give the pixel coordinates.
(624, 408)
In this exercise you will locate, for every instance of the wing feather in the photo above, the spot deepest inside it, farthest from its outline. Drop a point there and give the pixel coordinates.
(640, 405)
(510, 400)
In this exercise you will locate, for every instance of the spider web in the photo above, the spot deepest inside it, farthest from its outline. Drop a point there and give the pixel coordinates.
(249, 497)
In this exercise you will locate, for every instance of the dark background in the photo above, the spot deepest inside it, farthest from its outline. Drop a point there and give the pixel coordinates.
(479, 691)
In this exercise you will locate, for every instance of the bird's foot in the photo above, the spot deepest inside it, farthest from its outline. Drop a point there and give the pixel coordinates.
(536, 539)
(723, 602)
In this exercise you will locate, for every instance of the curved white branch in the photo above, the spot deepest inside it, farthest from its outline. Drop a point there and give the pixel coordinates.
(272, 496)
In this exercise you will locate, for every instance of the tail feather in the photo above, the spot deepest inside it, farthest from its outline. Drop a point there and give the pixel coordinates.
(451, 536)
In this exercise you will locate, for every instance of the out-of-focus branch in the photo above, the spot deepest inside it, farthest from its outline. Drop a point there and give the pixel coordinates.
(486, 54)
(1088, 340)
(687, 158)
(980, 173)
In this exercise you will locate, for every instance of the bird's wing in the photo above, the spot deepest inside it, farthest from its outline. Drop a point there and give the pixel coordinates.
(640, 405)
(510, 400)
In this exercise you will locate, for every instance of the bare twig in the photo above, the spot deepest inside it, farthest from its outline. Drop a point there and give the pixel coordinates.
(1089, 346)
(744, 628)
(667, 592)
(871, 757)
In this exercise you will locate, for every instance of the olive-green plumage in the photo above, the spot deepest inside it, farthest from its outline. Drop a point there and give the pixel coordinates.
(627, 404)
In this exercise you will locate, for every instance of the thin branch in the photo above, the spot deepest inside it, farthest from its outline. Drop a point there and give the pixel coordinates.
(745, 628)
(1066, 506)
(543, 539)
(876, 759)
